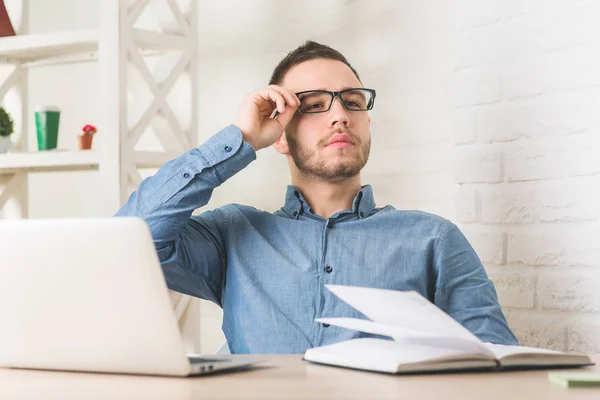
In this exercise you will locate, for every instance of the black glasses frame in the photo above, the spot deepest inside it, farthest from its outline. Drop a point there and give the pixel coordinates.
(338, 95)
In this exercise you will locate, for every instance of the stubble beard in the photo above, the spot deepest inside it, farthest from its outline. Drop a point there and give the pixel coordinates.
(310, 164)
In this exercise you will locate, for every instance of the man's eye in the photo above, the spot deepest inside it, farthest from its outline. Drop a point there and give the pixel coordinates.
(353, 104)
(314, 106)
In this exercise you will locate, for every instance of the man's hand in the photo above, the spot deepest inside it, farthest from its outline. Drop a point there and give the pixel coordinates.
(254, 118)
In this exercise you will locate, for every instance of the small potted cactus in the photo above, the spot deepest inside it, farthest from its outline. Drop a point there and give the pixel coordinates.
(86, 136)
(6, 129)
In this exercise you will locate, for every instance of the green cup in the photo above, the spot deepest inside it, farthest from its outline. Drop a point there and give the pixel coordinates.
(47, 119)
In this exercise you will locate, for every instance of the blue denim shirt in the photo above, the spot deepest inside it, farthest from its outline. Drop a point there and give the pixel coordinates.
(268, 271)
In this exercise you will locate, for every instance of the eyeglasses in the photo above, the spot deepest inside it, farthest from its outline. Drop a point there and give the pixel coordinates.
(320, 101)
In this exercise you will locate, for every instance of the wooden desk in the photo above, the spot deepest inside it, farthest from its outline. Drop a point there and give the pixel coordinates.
(288, 377)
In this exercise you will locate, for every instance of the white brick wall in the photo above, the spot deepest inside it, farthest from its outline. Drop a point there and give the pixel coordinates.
(474, 164)
(526, 105)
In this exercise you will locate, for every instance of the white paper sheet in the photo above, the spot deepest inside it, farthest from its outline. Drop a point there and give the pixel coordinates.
(387, 356)
(500, 350)
(408, 310)
(400, 334)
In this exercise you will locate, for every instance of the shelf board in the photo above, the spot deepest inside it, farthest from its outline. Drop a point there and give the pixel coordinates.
(49, 161)
(36, 47)
(76, 46)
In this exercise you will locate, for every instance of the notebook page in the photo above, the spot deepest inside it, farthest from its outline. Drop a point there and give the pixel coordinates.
(382, 355)
(409, 310)
(501, 350)
(401, 334)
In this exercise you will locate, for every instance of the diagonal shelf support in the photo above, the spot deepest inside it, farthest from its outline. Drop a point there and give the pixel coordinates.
(11, 188)
(179, 17)
(133, 14)
(159, 104)
(13, 78)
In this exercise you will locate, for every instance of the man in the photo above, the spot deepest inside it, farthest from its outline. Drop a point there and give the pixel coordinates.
(268, 270)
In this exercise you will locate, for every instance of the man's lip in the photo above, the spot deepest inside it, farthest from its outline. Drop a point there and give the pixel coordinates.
(341, 137)
(340, 145)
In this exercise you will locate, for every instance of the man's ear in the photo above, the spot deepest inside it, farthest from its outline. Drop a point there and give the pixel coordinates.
(281, 144)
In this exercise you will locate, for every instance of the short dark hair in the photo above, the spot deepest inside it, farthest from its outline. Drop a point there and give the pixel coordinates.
(308, 51)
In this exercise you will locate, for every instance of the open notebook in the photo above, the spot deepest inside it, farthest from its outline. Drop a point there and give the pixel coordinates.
(424, 339)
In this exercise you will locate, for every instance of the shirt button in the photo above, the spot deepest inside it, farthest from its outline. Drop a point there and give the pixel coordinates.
(328, 269)
(326, 325)
(362, 214)
(330, 224)
(186, 175)
(295, 213)
(227, 149)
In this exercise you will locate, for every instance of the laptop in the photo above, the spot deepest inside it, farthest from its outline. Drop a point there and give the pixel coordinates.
(90, 295)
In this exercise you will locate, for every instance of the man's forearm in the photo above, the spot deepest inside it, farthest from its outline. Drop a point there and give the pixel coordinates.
(167, 199)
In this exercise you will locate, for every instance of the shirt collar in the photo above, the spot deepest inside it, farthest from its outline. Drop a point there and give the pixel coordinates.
(296, 204)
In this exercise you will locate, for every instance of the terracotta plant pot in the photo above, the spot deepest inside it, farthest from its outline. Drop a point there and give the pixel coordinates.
(85, 142)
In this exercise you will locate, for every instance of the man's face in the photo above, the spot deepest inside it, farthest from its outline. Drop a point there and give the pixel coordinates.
(310, 136)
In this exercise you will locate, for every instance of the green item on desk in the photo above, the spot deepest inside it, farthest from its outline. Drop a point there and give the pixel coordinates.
(574, 379)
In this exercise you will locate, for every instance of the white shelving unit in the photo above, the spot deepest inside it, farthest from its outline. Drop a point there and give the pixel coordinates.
(115, 46)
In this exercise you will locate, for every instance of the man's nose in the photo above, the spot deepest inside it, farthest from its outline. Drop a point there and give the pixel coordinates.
(338, 115)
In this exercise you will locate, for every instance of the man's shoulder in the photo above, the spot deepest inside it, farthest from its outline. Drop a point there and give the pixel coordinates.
(244, 209)
(417, 223)
(231, 211)
(414, 216)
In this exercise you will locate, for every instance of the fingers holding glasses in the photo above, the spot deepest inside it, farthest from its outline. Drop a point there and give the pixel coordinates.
(290, 98)
(273, 98)
(254, 118)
